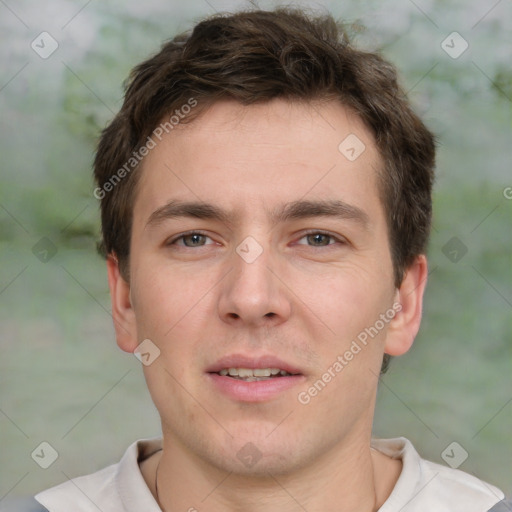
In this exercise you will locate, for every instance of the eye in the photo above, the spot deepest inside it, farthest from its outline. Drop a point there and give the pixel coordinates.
(191, 239)
(320, 239)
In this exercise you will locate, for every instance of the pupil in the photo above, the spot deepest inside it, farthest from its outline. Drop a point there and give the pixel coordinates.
(318, 238)
(194, 238)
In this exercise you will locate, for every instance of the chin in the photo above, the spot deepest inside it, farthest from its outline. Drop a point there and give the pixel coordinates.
(251, 462)
(258, 452)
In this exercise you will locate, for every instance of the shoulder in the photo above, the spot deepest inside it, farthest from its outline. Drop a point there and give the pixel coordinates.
(503, 506)
(21, 504)
(425, 485)
(459, 489)
(84, 493)
(115, 488)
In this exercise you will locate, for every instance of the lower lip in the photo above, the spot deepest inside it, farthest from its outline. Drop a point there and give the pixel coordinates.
(256, 391)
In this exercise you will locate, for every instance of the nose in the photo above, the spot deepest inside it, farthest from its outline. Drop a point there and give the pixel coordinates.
(254, 293)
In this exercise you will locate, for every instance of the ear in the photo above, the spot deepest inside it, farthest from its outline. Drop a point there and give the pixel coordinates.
(406, 323)
(122, 311)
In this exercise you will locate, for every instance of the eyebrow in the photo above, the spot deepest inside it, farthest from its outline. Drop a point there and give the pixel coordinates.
(289, 211)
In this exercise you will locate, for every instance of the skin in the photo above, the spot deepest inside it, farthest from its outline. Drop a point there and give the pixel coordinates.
(304, 299)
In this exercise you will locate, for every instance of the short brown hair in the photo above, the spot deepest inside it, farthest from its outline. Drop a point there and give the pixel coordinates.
(253, 57)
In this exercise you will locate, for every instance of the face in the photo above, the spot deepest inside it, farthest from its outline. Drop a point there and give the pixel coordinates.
(258, 244)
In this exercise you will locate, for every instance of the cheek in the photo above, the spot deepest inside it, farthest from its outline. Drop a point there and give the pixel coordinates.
(163, 298)
(347, 299)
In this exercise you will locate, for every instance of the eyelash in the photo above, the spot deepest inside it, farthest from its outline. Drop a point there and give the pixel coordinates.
(307, 233)
(338, 239)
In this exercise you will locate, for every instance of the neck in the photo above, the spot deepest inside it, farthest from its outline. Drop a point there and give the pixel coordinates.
(355, 479)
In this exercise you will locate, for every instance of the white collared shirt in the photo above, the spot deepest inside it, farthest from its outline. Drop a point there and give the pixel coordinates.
(423, 486)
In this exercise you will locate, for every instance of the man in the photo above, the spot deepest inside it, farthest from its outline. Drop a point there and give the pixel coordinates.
(266, 203)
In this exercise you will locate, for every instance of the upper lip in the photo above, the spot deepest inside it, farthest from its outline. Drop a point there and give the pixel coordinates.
(251, 362)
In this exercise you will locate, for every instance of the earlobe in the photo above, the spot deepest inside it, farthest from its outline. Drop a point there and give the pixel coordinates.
(122, 311)
(406, 323)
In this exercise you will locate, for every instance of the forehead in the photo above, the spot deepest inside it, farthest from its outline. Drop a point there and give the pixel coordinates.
(247, 157)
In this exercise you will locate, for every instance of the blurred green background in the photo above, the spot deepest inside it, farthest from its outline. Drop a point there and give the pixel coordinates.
(63, 380)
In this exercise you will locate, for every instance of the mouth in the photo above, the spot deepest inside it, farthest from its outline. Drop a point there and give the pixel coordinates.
(242, 367)
(253, 379)
(253, 374)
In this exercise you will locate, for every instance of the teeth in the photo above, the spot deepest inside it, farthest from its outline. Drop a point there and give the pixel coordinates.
(262, 372)
(246, 373)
